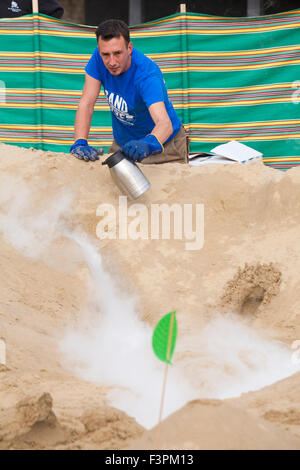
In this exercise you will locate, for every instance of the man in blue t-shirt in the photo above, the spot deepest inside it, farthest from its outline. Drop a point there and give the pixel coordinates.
(145, 124)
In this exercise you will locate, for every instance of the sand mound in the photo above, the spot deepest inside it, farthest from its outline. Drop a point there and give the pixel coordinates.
(50, 285)
(278, 404)
(108, 428)
(211, 425)
(31, 424)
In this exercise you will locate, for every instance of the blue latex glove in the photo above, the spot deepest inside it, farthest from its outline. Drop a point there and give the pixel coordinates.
(139, 149)
(83, 151)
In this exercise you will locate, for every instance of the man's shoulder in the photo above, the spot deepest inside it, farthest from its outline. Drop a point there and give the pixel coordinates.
(144, 65)
(95, 67)
(96, 55)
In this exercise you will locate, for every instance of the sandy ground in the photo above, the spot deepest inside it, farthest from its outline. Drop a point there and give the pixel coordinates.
(244, 278)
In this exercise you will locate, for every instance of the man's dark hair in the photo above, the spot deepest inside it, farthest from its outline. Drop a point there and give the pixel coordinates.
(113, 29)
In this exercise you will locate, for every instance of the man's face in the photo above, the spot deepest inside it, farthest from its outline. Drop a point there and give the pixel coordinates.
(116, 54)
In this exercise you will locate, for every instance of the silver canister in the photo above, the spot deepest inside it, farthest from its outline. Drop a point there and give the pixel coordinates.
(127, 175)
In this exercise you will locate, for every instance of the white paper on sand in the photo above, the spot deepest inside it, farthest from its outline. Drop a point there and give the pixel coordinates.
(231, 152)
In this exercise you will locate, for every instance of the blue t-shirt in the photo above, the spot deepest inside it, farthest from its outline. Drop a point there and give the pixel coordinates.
(130, 94)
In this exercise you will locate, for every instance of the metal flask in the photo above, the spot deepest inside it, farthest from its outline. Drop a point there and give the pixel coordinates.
(127, 175)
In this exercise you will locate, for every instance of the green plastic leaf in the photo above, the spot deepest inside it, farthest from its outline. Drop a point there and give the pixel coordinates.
(164, 337)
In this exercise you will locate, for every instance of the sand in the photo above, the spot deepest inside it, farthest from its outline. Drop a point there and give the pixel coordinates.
(245, 276)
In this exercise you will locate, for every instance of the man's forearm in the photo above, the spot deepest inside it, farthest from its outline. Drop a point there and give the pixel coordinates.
(162, 130)
(163, 126)
(83, 121)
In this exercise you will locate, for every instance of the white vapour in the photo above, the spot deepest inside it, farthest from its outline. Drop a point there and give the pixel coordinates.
(27, 223)
(231, 358)
(117, 351)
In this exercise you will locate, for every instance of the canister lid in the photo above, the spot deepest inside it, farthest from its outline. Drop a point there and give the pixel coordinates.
(114, 159)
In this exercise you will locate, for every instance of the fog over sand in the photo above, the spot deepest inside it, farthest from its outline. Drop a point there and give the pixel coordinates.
(77, 312)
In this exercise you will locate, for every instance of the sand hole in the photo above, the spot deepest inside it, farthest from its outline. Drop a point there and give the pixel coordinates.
(252, 287)
(253, 300)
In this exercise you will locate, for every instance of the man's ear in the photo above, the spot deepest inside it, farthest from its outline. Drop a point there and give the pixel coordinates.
(130, 47)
